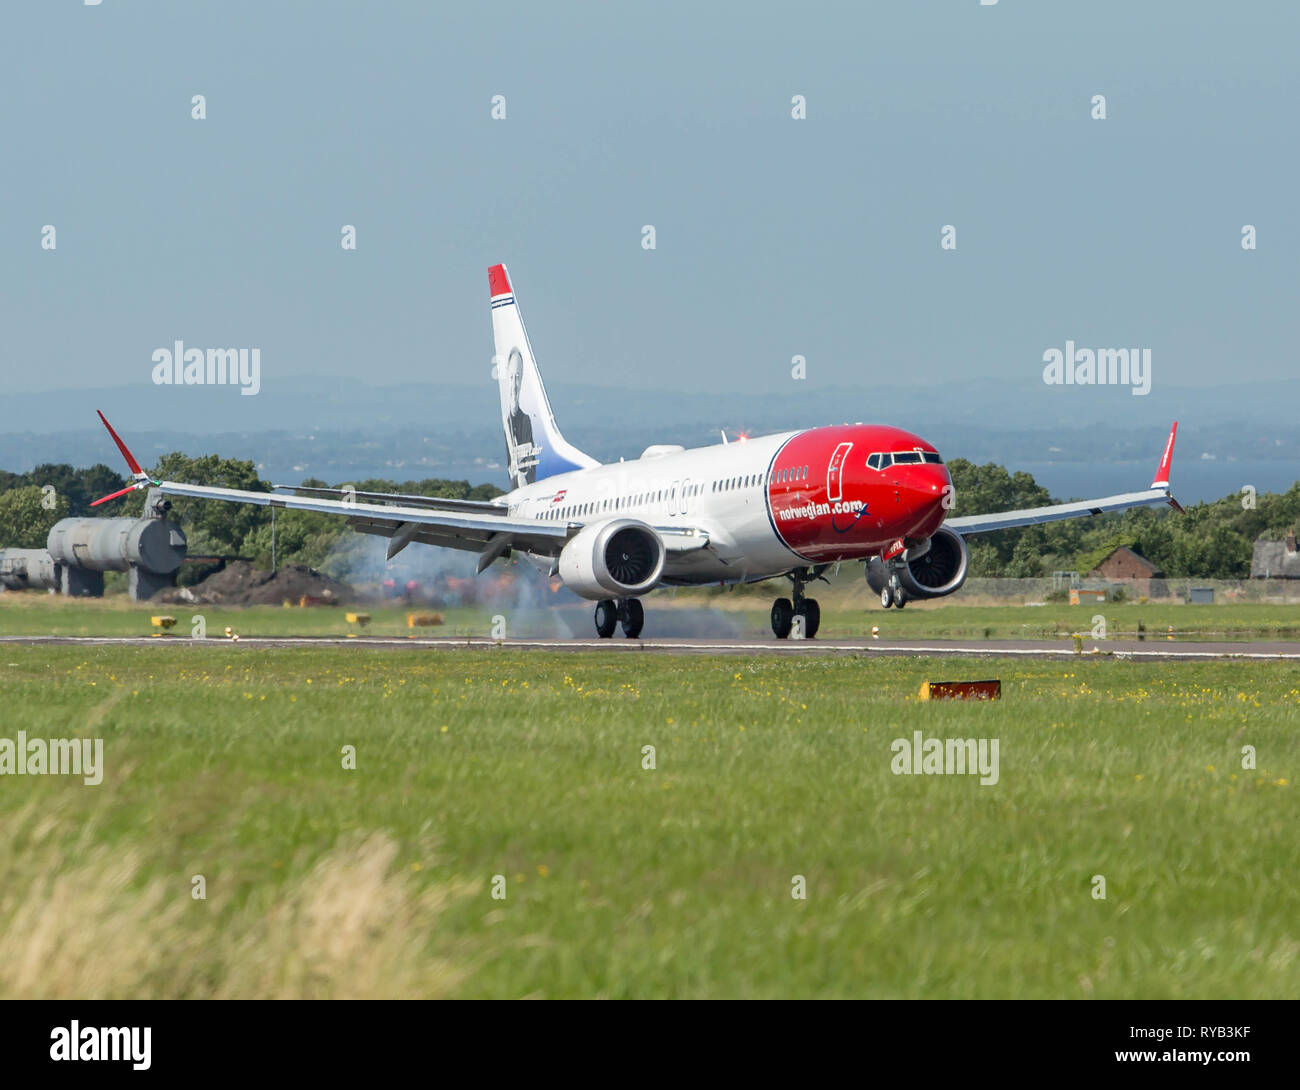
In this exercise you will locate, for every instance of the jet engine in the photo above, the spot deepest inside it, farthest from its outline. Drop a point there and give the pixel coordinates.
(930, 570)
(620, 558)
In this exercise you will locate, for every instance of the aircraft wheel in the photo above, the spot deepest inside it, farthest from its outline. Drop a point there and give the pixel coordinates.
(886, 597)
(900, 599)
(606, 618)
(812, 617)
(782, 617)
(633, 618)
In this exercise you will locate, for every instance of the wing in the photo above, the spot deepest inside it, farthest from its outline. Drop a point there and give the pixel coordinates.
(485, 528)
(399, 523)
(402, 499)
(1156, 494)
(477, 526)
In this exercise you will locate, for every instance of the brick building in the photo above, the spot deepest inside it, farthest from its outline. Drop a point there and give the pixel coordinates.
(1142, 577)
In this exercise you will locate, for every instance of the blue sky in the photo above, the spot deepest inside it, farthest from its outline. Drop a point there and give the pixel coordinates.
(775, 237)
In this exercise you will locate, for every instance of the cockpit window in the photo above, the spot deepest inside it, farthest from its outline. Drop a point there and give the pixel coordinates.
(875, 461)
(907, 457)
(932, 457)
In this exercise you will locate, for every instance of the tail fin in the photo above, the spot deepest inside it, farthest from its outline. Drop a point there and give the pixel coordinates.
(534, 445)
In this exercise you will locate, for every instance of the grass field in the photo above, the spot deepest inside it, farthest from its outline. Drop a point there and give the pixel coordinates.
(225, 761)
(694, 613)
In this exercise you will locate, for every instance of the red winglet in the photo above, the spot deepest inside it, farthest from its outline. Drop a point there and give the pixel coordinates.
(132, 464)
(1161, 479)
(114, 495)
(498, 281)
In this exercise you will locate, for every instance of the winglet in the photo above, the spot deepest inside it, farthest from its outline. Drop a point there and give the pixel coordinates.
(136, 472)
(498, 281)
(141, 477)
(113, 495)
(1162, 474)
(1161, 479)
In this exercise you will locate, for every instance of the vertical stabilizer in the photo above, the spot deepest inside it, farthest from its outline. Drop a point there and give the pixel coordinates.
(534, 445)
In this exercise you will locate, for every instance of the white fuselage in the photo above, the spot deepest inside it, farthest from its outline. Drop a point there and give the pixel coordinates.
(721, 489)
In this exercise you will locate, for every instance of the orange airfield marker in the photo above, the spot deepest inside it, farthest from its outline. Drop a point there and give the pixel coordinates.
(961, 690)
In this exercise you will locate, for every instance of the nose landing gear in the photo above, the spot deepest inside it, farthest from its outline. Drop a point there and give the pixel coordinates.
(784, 611)
(624, 611)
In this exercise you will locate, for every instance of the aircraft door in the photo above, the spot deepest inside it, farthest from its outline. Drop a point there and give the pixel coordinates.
(835, 473)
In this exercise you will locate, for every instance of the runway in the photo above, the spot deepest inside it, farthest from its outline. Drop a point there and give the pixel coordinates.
(1280, 650)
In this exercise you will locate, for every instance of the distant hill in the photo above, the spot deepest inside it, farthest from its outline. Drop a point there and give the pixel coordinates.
(1070, 438)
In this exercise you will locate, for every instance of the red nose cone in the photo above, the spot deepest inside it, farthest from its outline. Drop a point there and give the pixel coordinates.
(924, 489)
(828, 499)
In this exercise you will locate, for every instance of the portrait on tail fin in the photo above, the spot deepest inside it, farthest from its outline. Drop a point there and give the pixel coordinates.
(520, 451)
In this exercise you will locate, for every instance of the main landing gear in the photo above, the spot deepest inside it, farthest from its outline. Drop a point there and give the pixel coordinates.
(784, 611)
(893, 595)
(624, 611)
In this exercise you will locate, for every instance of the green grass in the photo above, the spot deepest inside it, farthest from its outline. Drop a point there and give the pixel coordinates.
(225, 761)
(953, 620)
(844, 615)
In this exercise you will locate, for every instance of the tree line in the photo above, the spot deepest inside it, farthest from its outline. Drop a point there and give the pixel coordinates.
(1212, 540)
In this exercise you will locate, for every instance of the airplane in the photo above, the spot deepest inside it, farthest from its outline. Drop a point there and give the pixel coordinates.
(788, 505)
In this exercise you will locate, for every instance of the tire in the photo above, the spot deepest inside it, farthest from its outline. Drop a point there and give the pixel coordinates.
(886, 597)
(812, 617)
(900, 600)
(633, 618)
(606, 619)
(782, 618)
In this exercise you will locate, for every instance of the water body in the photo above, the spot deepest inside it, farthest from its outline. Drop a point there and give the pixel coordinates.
(1193, 480)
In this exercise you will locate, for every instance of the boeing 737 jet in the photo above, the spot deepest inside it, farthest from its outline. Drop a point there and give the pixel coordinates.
(784, 506)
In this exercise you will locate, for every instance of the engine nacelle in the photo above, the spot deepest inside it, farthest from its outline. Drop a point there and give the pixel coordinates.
(620, 558)
(930, 571)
